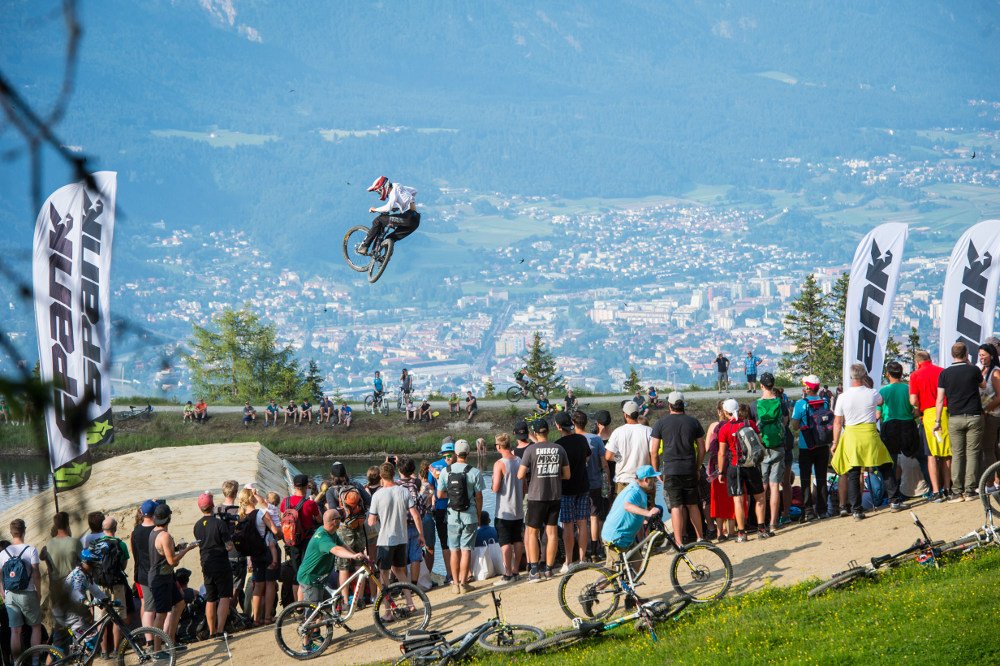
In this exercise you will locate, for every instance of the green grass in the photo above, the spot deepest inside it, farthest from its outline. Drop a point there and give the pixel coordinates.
(914, 615)
(218, 138)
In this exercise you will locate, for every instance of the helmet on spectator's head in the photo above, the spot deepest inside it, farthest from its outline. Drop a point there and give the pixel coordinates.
(89, 556)
(381, 185)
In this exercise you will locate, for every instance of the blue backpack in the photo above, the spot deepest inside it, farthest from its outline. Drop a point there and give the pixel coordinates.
(16, 572)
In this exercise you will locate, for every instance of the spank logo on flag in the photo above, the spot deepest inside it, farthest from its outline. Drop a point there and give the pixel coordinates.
(970, 289)
(870, 297)
(70, 267)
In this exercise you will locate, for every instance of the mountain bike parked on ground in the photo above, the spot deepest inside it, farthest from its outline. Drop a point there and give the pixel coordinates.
(699, 572)
(495, 635)
(304, 629)
(989, 533)
(377, 404)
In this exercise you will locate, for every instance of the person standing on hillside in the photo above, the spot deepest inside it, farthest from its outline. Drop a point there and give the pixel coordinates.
(61, 555)
(390, 507)
(740, 480)
(164, 556)
(509, 518)
(22, 596)
(681, 439)
(309, 518)
(899, 427)
(629, 448)
(574, 507)
(750, 364)
(772, 433)
(215, 543)
(989, 365)
(400, 210)
(923, 396)
(813, 462)
(543, 467)
(441, 504)
(598, 477)
(722, 372)
(119, 589)
(462, 485)
(959, 384)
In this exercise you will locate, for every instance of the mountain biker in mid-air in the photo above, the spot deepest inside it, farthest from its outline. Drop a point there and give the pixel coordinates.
(400, 210)
(523, 379)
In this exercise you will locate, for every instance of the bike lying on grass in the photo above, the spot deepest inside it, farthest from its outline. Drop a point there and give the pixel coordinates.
(135, 413)
(989, 533)
(304, 629)
(495, 635)
(136, 647)
(699, 572)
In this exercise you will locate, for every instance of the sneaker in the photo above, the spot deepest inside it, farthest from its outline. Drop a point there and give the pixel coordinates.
(535, 577)
(763, 534)
(771, 529)
(741, 537)
(784, 520)
(844, 513)
(956, 499)
(503, 580)
(859, 515)
(896, 507)
(939, 497)
(180, 647)
(549, 573)
(722, 538)
(564, 569)
(363, 251)
(929, 495)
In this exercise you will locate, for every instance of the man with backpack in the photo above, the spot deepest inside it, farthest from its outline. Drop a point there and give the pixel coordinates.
(389, 509)
(810, 417)
(299, 517)
(110, 575)
(351, 500)
(19, 564)
(215, 543)
(462, 484)
(771, 422)
(740, 452)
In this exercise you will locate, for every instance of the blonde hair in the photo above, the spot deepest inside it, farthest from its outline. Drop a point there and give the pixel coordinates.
(503, 441)
(229, 489)
(247, 502)
(273, 498)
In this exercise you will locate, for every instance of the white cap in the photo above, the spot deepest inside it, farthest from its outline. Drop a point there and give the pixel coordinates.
(630, 408)
(675, 397)
(461, 447)
(811, 380)
(731, 407)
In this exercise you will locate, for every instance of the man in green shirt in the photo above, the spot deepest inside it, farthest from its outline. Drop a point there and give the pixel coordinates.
(899, 428)
(321, 552)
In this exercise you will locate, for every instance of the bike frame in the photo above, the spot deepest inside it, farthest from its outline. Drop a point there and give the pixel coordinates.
(468, 639)
(359, 578)
(77, 640)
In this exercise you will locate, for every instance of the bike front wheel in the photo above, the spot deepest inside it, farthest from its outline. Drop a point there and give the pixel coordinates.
(589, 591)
(303, 630)
(540, 392)
(510, 637)
(39, 655)
(514, 394)
(380, 259)
(566, 637)
(839, 580)
(401, 607)
(145, 650)
(352, 240)
(370, 404)
(702, 572)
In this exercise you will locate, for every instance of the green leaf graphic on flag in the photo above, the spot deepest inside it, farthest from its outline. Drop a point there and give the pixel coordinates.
(98, 431)
(71, 475)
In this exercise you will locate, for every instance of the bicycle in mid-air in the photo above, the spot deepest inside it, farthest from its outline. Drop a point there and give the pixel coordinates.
(136, 646)
(495, 635)
(699, 572)
(377, 404)
(379, 252)
(532, 390)
(304, 629)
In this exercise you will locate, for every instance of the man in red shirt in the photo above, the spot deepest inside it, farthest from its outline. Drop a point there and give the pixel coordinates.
(923, 396)
(741, 481)
(309, 516)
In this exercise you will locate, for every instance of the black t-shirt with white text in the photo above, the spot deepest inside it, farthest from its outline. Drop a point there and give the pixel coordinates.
(544, 462)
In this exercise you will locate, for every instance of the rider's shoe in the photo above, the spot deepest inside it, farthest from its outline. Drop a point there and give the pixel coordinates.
(363, 251)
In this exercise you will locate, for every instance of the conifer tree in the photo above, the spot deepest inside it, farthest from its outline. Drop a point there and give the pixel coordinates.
(912, 347)
(632, 384)
(541, 364)
(807, 329)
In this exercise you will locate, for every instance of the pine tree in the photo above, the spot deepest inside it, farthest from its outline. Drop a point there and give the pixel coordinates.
(541, 364)
(489, 388)
(838, 307)
(912, 347)
(632, 384)
(313, 383)
(893, 352)
(807, 329)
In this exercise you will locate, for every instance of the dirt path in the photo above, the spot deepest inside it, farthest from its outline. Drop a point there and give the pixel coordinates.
(796, 553)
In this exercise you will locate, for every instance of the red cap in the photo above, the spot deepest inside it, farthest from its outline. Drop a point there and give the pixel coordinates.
(205, 501)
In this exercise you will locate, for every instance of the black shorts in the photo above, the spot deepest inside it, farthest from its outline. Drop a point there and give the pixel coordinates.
(218, 583)
(752, 378)
(509, 531)
(165, 594)
(261, 573)
(441, 523)
(239, 568)
(901, 437)
(741, 480)
(388, 557)
(598, 504)
(542, 513)
(681, 489)
(293, 555)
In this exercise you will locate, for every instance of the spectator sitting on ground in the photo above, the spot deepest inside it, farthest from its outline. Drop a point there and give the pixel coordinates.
(453, 404)
(189, 412)
(411, 410)
(201, 411)
(425, 411)
(344, 416)
(471, 406)
(305, 411)
(325, 409)
(271, 413)
(486, 532)
(249, 414)
(291, 410)
(542, 406)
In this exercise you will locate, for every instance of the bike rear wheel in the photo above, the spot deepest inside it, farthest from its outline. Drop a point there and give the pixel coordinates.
(589, 591)
(510, 637)
(393, 615)
(514, 393)
(702, 572)
(540, 392)
(380, 259)
(839, 580)
(370, 404)
(146, 653)
(358, 262)
(39, 655)
(299, 639)
(991, 500)
(563, 638)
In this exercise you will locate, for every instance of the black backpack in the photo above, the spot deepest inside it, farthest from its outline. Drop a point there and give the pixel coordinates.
(820, 430)
(111, 571)
(246, 539)
(458, 489)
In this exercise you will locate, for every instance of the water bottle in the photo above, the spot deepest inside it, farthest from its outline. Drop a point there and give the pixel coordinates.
(90, 643)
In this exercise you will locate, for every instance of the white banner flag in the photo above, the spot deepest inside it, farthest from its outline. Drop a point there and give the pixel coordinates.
(72, 259)
(870, 295)
(970, 289)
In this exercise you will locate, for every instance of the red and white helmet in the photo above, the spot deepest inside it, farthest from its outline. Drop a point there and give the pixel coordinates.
(381, 185)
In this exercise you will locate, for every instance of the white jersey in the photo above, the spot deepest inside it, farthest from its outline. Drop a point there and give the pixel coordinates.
(400, 199)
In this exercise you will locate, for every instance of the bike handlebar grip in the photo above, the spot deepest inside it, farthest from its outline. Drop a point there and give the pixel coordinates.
(880, 560)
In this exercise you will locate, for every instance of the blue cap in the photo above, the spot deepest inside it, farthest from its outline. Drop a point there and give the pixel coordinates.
(646, 472)
(448, 447)
(148, 507)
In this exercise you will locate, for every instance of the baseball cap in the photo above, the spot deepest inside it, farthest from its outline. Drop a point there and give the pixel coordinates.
(148, 507)
(161, 516)
(812, 381)
(461, 446)
(447, 447)
(603, 417)
(541, 425)
(521, 429)
(767, 380)
(730, 406)
(338, 469)
(630, 408)
(675, 397)
(646, 472)
(205, 501)
(300, 480)
(564, 420)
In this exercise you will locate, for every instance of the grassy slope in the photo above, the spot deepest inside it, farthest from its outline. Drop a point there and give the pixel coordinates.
(914, 615)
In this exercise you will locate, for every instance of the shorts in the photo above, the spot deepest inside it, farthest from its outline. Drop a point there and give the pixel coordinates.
(313, 593)
(542, 514)
(772, 468)
(740, 479)
(261, 573)
(752, 378)
(165, 594)
(414, 553)
(724, 376)
(430, 531)
(23, 608)
(681, 489)
(218, 583)
(119, 593)
(293, 555)
(509, 531)
(239, 568)
(147, 599)
(574, 507)
(441, 523)
(598, 504)
(461, 537)
(354, 540)
(388, 557)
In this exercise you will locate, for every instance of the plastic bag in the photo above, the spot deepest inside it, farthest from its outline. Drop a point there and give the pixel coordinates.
(482, 563)
(496, 556)
(424, 580)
